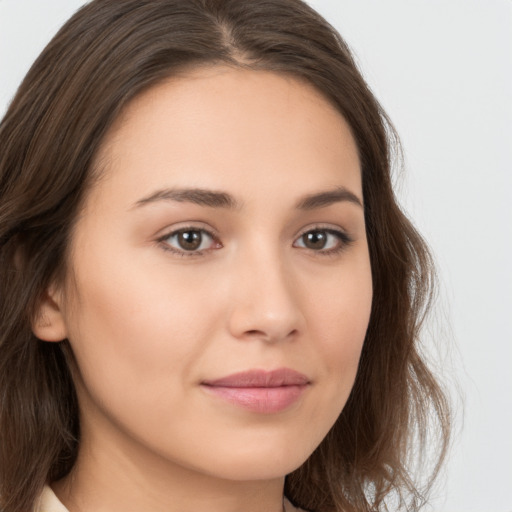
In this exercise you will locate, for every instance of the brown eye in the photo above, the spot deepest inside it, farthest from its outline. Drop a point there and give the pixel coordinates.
(189, 240)
(323, 241)
(315, 240)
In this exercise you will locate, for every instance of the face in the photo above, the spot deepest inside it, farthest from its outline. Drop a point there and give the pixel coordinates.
(220, 284)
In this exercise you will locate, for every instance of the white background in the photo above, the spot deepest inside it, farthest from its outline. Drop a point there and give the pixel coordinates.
(443, 71)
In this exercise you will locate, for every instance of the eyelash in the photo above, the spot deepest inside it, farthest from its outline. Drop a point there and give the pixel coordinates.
(183, 253)
(344, 241)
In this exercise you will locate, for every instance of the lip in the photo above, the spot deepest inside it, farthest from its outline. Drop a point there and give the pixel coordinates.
(260, 391)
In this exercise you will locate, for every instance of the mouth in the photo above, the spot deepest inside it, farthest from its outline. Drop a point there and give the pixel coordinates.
(260, 391)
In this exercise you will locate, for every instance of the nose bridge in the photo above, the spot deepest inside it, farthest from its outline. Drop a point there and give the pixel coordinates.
(265, 303)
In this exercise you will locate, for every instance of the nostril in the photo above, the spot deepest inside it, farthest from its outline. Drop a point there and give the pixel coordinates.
(268, 336)
(255, 332)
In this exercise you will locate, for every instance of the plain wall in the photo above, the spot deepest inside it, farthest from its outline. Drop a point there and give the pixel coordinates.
(443, 71)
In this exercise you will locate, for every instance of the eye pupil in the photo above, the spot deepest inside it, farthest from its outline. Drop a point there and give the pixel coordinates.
(315, 239)
(190, 240)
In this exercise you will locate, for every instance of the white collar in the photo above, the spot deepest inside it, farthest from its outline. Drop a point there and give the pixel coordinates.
(48, 502)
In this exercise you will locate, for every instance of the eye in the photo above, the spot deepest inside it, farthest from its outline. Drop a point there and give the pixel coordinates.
(189, 240)
(327, 241)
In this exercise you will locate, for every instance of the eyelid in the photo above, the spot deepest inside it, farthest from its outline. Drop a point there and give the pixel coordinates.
(345, 239)
(190, 226)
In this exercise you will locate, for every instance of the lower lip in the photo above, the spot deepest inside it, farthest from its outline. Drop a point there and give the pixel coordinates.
(261, 400)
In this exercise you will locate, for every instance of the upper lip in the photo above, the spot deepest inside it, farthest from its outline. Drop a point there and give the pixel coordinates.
(260, 379)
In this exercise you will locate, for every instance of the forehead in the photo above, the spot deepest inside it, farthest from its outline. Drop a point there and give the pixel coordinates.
(224, 127)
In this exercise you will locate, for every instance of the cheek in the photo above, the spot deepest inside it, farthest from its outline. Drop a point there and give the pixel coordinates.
(345, 313)
(338, 320)
(340, 343)
(342, 312)
(132, 326)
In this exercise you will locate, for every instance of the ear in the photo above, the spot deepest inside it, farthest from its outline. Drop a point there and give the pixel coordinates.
(49, 322)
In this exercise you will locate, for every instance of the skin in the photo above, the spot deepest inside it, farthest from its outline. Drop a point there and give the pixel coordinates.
(148, 321)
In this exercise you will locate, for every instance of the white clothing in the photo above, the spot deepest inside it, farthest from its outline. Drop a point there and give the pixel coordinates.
(48, 502)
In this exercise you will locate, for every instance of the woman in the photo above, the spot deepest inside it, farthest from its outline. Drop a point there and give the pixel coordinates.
(210, 298)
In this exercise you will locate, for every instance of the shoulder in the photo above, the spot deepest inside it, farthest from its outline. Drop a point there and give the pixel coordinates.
(48, 502)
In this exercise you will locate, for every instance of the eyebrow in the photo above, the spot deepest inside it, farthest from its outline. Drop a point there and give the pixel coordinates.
(323, 199)
(217, 199)
(199, 196)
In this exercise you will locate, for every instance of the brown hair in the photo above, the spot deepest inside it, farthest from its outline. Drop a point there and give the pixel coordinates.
(104, 56)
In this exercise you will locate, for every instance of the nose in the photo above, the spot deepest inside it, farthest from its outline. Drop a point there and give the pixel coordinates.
(265, 303)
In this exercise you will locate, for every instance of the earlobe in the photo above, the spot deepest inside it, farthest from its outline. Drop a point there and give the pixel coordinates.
(48, 323)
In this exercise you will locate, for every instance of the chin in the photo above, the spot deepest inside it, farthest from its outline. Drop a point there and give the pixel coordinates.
(259, 462)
